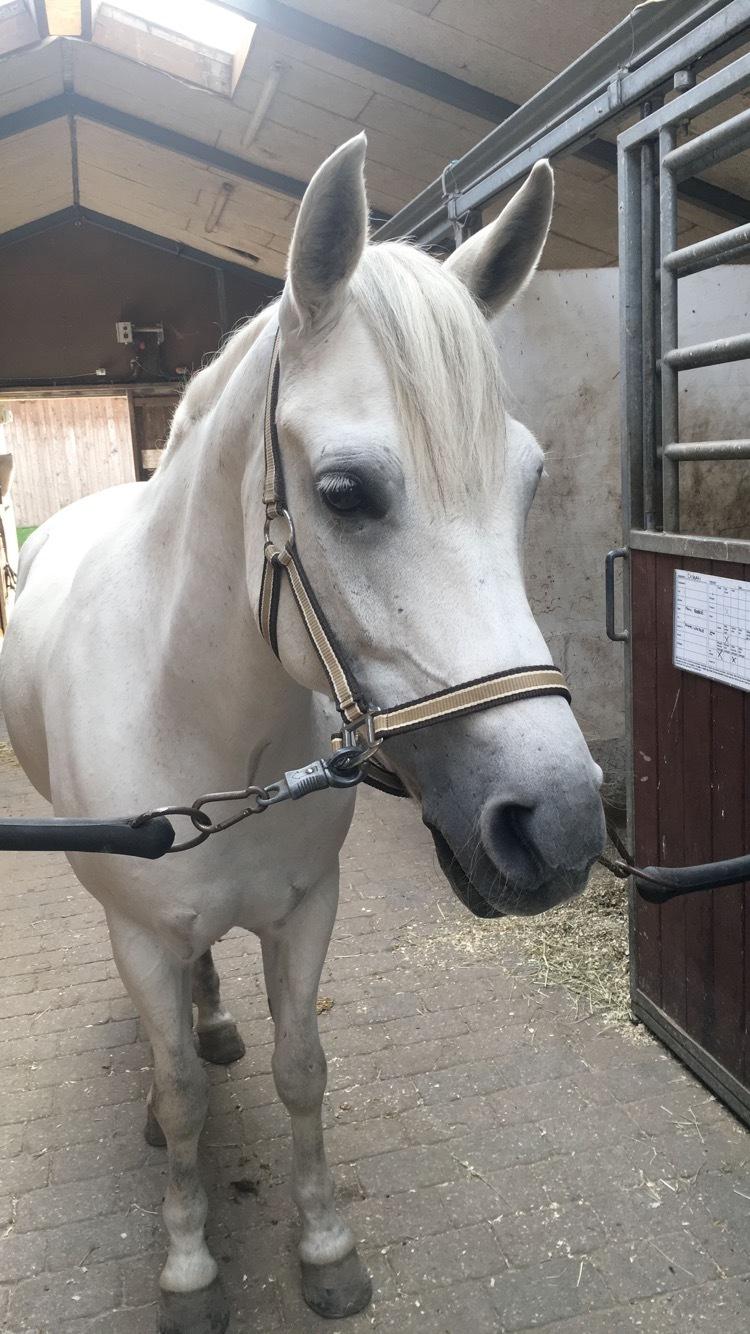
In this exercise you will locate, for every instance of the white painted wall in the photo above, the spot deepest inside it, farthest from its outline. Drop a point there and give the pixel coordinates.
(560, 351)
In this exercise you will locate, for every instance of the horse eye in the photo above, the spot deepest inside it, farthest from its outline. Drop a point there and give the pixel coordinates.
(342, 493)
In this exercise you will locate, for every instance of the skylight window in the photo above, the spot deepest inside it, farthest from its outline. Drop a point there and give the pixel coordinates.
(199, 20)
(18, 25)
(192, 39)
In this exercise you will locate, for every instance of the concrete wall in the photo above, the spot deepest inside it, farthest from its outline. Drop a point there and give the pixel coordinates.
(560, 350)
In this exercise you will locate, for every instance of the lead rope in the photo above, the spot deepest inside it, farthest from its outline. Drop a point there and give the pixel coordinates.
(622, 868)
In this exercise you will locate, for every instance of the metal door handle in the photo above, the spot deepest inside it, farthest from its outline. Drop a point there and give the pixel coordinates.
(617, 636)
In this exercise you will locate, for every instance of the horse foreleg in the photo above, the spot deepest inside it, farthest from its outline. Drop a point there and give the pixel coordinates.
(218, 1038)
(192, 1299)
(334, 1281)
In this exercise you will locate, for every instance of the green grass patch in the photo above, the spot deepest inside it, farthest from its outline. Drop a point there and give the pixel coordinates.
(23, 533)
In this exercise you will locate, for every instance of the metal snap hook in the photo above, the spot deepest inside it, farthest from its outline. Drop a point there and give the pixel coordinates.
(346, 767)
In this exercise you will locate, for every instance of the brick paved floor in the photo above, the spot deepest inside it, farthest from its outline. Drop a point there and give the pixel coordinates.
(504, 1165)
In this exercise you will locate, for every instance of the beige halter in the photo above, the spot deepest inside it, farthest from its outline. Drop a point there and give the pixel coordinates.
(362, 723)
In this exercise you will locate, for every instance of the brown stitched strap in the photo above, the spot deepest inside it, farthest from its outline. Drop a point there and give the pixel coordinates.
(276, 561)
(334, 669)
(271, 481)
(385, 780)
(268, 602)
(485, 693)
(504, 688)
(285, 558)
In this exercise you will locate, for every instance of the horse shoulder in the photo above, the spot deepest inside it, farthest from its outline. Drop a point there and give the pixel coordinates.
(47, 613)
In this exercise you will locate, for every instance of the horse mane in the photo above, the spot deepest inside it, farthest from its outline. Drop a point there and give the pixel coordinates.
(206, 387)
(439, 352)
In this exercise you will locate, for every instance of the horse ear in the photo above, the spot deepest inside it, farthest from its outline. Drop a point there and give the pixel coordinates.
(329, 236)
(498, 262)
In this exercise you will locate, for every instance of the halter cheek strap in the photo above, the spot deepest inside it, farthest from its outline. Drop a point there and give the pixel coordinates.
(282, 560)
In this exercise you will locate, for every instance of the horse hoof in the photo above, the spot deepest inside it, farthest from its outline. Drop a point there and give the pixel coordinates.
(337, 1290)
(152, 1131)
(221, 1044)
(203, 1312)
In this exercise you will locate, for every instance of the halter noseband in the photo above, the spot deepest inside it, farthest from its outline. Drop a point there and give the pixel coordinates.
(362, 723)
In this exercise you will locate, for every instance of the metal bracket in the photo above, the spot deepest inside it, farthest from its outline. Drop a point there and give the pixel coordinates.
(684, 79)
(464, 222)
(614, 90)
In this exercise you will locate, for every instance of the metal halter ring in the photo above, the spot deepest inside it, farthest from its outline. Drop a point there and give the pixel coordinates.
(273, 550)
(367, 745)
(199, 819)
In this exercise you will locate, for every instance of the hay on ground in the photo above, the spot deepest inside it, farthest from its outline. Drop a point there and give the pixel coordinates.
(582, 946)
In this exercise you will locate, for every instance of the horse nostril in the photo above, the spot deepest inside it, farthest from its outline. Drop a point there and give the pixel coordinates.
(533, 839)
(508, 838)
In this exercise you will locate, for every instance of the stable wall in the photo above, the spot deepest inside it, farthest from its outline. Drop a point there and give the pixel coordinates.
(62, 292)
(561, 358)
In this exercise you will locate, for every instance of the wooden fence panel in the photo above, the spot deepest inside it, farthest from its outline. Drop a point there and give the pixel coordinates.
(66, 448)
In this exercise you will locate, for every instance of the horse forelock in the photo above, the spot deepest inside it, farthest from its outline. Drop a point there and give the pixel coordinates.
(439, 354)
(442, 362)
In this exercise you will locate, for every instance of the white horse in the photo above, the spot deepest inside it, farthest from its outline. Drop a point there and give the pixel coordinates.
(134, 672)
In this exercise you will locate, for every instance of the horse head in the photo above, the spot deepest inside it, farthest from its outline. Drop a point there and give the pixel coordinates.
(410, 485)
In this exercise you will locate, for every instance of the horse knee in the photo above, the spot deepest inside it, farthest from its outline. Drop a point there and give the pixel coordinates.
(300, 1072)
(180, 1097)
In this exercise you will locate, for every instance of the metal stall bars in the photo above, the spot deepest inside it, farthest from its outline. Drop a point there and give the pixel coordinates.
(633, 62)
(675, 164)
(690, 758)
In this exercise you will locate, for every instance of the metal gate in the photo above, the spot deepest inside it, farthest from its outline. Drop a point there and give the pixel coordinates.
(690, 755)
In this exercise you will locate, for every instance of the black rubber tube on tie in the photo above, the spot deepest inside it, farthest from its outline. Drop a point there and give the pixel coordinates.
(678, 880)
(123, 837)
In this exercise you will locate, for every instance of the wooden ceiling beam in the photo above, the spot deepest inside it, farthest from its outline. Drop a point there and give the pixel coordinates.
(175, 142)
(373, 56)
(72, 104)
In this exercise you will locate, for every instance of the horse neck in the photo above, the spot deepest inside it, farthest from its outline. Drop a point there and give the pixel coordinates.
(200, 501)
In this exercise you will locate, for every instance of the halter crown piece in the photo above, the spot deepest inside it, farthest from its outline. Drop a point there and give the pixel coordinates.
(362, 723)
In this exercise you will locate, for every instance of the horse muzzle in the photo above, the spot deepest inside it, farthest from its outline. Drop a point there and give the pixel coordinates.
(489, 891)
(521, 843)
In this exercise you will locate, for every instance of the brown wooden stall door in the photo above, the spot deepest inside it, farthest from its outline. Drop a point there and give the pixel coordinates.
(151, 420)
(691, 795)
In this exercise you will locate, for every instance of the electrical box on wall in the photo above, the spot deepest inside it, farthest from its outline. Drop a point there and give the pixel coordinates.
(124, 331)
